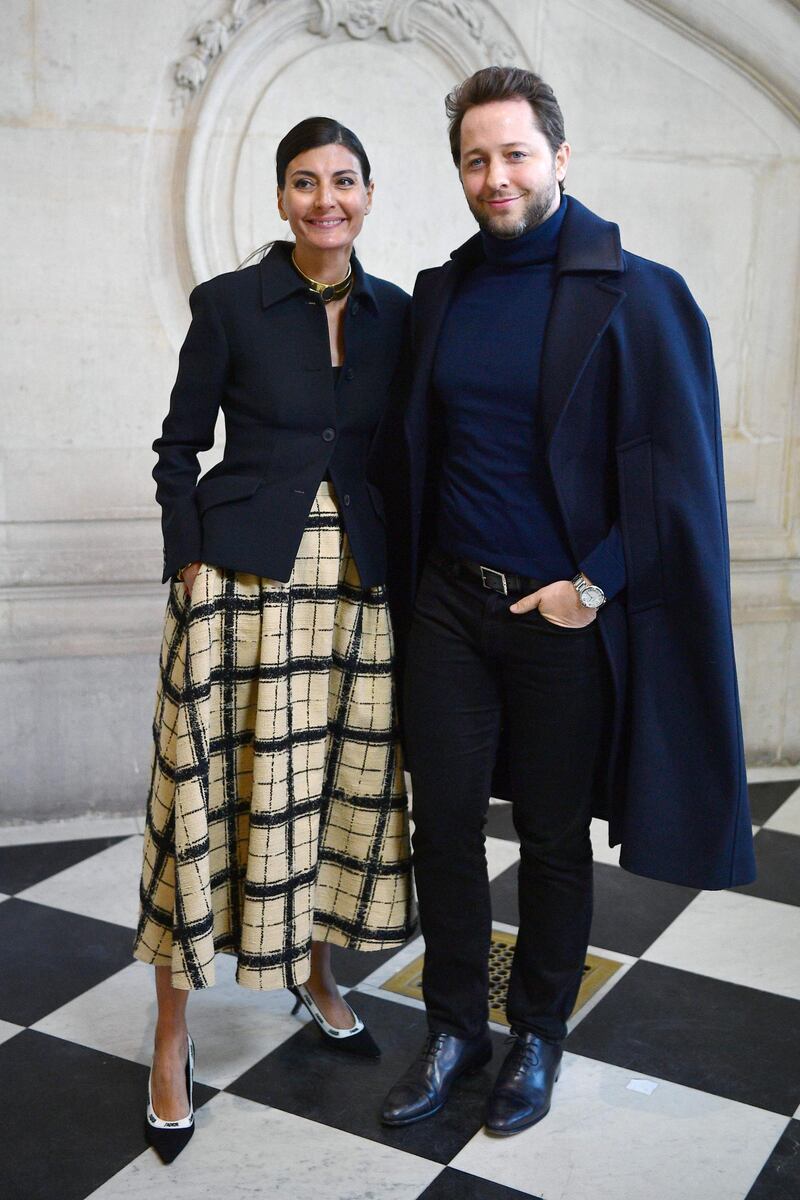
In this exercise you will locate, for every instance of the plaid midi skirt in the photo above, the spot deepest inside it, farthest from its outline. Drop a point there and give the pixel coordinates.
(277, 811)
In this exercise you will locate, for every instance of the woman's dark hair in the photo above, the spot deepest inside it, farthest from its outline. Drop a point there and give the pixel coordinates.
(318, 131)
(505, 83)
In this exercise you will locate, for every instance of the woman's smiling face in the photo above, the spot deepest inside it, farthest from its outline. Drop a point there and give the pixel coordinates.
(324, 198)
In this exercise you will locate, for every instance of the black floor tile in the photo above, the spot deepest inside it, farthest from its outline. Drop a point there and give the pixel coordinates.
(23, 866)
(499, 823)
(48, 956)
(777, 867)
(722, 1038)
(304, 1077)
(766, 798)
(456, 1185)
(351, 966)
(780, 1177)
(629, 912)
(73, 1116)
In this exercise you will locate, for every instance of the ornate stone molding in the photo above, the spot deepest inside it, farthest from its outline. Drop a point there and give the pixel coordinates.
(211, 39)
(759, 41)
(361, 19)
(364, 18)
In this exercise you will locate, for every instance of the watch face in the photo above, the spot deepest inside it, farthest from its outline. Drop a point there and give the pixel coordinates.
(592, 597)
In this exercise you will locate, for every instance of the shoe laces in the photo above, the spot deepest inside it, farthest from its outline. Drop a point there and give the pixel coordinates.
(526, 1052)
(433, 1046)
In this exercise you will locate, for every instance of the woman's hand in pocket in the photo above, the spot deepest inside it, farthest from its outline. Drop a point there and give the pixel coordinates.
(188, 576)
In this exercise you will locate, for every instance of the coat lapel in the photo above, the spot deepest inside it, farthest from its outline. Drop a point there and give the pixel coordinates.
(589, 288)
(582, 308)
(430, 309)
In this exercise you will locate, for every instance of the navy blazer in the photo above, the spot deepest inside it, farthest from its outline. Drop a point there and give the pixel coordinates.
(630, 417)
(258, 349)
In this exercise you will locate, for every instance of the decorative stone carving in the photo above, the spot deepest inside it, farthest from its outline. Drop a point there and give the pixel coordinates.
(364, 18)
(191, 72)
(211, 39)
(361, 19)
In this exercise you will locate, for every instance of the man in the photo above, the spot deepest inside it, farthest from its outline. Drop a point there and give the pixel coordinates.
(572, 620)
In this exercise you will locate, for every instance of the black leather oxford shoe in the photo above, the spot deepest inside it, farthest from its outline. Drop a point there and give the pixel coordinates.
(524, 1087)
(424, 1088)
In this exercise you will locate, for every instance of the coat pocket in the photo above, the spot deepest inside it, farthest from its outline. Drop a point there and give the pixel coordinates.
(220, 489)
(639, 525)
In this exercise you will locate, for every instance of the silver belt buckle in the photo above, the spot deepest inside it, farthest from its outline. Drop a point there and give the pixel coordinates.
(495, 581)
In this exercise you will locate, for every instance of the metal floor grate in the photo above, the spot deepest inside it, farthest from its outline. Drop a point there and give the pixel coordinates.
(596, 972)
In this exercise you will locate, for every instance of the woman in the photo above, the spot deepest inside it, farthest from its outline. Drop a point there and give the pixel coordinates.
(277, 819)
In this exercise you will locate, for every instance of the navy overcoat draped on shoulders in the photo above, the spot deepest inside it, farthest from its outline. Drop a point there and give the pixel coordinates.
(629, 409)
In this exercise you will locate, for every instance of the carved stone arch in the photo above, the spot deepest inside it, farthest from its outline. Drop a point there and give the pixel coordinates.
(243, 45)
(217, 87)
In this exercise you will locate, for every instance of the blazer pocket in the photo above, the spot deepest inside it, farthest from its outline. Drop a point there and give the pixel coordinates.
(639, 525)
(221, 489)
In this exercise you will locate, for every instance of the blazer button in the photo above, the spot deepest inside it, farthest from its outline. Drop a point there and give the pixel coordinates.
(346, 498)
(328, 435)
(349, 374)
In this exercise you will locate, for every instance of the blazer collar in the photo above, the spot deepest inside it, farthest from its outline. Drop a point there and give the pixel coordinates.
(279, 279)
(586, 243)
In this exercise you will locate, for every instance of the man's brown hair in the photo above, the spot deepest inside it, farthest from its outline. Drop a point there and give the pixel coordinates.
(505, 83)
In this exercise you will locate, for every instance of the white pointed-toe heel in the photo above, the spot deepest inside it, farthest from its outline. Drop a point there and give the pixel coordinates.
(168, 1138)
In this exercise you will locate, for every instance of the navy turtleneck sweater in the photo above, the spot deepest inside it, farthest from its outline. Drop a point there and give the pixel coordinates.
(497, 505)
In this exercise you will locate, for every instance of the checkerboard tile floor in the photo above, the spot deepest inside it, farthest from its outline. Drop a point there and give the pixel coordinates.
(681, 1081)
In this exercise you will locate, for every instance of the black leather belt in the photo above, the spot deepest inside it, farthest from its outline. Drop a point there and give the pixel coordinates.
(495, 581)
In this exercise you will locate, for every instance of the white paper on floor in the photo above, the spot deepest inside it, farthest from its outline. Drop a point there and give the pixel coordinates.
(645, 1086)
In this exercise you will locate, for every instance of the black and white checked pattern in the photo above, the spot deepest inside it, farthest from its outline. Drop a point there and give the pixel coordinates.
(681, 1077)
(277, 809)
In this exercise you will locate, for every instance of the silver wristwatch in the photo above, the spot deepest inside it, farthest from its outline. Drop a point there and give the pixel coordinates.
(590, 595)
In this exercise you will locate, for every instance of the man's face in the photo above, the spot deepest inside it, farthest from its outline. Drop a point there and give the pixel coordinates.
(509, 174)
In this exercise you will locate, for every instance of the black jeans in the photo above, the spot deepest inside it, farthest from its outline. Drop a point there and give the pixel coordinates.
(472, 667)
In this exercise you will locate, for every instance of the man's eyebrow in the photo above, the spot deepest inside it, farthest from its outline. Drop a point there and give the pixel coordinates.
(504, 146)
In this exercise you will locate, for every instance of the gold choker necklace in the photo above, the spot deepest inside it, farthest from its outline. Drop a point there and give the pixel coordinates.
(327, 291)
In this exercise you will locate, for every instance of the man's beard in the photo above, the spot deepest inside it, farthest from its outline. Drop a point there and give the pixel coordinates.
(536, 211)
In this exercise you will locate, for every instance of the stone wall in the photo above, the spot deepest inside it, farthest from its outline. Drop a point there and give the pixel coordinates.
(137, 140)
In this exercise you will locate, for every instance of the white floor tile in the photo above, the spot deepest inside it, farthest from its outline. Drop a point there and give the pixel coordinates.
(7, 1030)
(233, 1027)
(604, 1140)
(404, 956)
(735, 937)
(105, 886)
(786, 819)
(68, 831)
(603, 853)
(245, 1150)
(772, 774)
(501, 853)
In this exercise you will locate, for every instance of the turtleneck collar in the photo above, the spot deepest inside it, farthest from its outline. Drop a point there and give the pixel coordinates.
(538, 245)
